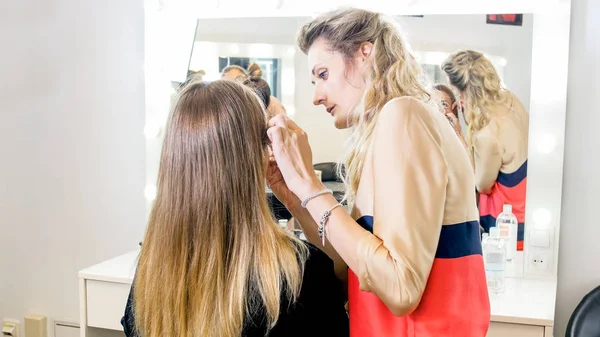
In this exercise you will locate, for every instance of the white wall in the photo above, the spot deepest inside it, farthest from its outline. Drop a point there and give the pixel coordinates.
(579, 252)
(72, 164)
(72, 149)
(430, 33)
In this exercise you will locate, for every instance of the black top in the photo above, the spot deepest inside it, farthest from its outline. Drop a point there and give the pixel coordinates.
(319, 310)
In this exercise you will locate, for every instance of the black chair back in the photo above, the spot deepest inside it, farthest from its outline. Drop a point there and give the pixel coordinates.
(328, 171)
(585, 320)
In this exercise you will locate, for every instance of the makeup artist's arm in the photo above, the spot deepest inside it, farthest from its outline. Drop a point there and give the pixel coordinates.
(410, 183)
(487, 161)
(303, 218)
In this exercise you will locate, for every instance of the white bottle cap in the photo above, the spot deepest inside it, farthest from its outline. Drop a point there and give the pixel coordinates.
(507, 209)
(494, 232)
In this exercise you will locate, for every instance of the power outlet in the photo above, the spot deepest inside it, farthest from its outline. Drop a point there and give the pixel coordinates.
(10, 327)
(540, 262)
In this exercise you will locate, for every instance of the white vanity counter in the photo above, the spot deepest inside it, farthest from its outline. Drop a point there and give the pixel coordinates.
(525, 309)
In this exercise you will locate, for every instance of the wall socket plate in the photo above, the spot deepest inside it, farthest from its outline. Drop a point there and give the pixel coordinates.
(539, 261)
(539, 255)
(11, 327)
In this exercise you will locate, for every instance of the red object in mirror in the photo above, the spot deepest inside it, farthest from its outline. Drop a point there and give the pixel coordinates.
(505, 19)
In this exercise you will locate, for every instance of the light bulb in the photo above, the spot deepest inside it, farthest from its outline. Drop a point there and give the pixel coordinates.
(546, 143)
(150, 192)
(542, 217)
(151, 131)
(260, 50)
(234, 49)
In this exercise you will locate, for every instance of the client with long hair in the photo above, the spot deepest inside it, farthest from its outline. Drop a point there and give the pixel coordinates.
(213, 261)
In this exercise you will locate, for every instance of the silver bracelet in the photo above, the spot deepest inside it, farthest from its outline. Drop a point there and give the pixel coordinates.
(314, 195)
(321, 225)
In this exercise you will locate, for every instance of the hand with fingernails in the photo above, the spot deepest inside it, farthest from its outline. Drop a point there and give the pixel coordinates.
(293, 168)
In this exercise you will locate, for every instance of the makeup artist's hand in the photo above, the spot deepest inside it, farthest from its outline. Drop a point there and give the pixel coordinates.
(293, 156)
(277, 184)
(454, 122)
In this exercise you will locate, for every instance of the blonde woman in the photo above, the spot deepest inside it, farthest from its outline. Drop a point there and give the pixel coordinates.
(411, 243)
(497, 136)
(214, 263)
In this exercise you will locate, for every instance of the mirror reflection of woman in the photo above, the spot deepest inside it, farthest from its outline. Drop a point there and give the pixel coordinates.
(449, 107)
(410, 246)
(497, 136)
(253, 77)
(214, 262)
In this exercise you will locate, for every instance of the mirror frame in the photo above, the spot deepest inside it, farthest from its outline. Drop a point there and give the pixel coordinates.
(549, 69)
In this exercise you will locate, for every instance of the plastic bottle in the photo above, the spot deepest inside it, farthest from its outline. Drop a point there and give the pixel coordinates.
(484, 237)
(494, 257)
(509, 226)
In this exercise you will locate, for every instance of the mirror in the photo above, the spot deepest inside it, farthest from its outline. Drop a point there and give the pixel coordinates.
(500, 147)
(529, 53)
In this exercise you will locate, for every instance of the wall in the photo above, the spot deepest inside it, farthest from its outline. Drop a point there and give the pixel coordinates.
(71, 146)
(72, 149)
(430, 33)
(579, 252)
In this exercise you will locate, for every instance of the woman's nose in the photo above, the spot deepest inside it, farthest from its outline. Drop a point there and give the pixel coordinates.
(318, 99)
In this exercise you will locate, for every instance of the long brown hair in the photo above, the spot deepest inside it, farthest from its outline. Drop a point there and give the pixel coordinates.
(213, 254)
(395, 72)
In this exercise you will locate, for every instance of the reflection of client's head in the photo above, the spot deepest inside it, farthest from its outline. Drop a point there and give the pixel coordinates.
(233, 72)
(480, 86)
(211, 242)
(446, 99)
(256, 82)
(252, 77)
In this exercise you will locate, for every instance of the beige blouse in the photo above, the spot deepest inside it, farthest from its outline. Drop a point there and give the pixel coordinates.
(501, 146)
(416, 178)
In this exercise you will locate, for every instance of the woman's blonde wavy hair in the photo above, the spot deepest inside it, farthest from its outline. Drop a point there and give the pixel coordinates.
(480, 86)
(394, 73)
(213, 254)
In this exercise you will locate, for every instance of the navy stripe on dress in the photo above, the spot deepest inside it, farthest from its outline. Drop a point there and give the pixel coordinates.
(366, 222)
(459, 240)
(456, 241)
(513, 179)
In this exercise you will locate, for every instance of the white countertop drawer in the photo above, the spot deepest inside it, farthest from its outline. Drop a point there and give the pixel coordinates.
(525, 309)
(516, 330)
(106, 304)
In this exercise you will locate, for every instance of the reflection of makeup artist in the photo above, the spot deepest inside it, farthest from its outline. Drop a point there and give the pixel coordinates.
(497, 136)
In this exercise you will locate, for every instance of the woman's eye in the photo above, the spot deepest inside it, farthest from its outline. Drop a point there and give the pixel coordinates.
(323, 75)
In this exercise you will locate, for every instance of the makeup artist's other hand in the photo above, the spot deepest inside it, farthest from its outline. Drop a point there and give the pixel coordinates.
(277, 184)
(293, 156)
(454, 122)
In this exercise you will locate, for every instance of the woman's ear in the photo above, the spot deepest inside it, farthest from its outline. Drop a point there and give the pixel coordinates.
(365, 50)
